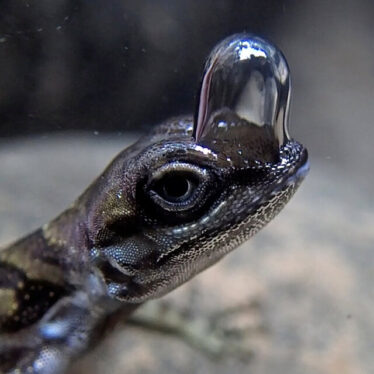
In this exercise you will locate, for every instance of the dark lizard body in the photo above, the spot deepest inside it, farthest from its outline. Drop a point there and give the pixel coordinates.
(165, 209)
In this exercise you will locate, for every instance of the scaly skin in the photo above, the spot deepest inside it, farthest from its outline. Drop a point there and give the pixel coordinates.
(165, 209)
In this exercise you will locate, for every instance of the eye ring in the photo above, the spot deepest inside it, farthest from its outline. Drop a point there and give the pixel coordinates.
(179, 187)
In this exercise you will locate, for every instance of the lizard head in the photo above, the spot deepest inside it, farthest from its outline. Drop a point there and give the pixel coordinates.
(192, 190)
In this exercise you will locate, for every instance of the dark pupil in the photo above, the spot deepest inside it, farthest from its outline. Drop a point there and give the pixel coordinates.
(176, 187)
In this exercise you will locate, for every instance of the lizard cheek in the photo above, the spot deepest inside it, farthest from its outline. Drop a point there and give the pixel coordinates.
(244, 100)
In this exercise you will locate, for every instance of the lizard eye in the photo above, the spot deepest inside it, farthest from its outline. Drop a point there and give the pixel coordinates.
(176, 187)
(179, 188)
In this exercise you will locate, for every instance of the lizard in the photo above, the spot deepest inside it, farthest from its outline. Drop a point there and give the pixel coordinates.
(166, 208)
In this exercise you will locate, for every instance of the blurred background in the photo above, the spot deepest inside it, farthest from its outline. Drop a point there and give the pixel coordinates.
(81, 79)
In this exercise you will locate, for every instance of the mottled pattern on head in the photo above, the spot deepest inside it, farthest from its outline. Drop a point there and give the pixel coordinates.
(143, 250)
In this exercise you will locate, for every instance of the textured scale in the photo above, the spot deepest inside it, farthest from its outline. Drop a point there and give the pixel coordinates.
(166, 208)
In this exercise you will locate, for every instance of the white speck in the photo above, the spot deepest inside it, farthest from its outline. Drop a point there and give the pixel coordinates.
(255, 199)
(3, 39)
(218, 208)
(40, 29)
(54, 330)
(222, 125)
(204, 220)
(177, 231)
(143, 50)
(205, 151)
(247, 50)
(94, 253)
(96, 133)
(58, 28)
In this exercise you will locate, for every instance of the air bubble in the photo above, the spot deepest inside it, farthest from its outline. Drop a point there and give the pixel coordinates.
(244, 99)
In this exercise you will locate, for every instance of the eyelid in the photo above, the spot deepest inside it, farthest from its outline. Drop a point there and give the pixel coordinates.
(179, 167)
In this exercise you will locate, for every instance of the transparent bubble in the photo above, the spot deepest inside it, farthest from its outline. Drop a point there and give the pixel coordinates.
(244, 99)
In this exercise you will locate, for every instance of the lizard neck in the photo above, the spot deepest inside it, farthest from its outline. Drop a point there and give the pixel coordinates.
(66, 237)
(56, 252)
